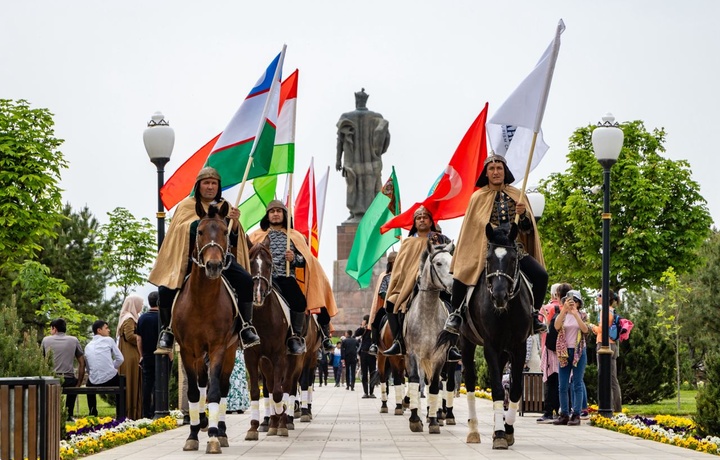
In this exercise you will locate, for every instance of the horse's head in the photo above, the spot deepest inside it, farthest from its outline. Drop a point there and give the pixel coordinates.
(212, 241)
(434, 269)
(502, 266)
(261, 268)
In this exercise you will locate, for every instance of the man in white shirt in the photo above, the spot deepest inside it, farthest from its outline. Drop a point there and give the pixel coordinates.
(103, 358)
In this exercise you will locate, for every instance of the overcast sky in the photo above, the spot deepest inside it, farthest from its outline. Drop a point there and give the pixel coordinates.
(103, 68)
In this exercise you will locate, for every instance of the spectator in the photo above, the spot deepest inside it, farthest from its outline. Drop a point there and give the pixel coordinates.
(548, 357)
(337, 363)
(367, 360)
(103, 360)
(65, 350)
(349, 352)
(128, 344)
(147, 337)
(323, 366)
(615, 392)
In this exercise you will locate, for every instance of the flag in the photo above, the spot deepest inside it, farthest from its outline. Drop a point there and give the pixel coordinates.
(250, 135)
(252, 210)
(321, 190)
(450, 198)
(369, 244)
(512, 128)
(305, 218)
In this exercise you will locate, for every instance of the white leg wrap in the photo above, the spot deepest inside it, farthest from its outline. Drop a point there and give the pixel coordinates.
(473, 425)
(203, 398)
(223, 409)
(310, 394)
(434, 403)
(449, 398)
(472, 413)
(290, 404)
(499, 423)
(511, 412)
(383, 392)
(399, 393)
(279, 407)
(214, 412)
(304, 403)
(267, 405)
(255, 410)
(414, 394)
(194, 410)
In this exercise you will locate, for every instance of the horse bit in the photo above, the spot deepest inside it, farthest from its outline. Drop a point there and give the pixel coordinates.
(515, 286)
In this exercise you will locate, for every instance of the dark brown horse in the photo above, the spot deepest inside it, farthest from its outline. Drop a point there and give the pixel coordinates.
(385, 366)
(280, 371)
(308, 365)
(204, 324)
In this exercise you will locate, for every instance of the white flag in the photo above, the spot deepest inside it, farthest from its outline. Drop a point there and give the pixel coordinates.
(321, 194)
(511, 129)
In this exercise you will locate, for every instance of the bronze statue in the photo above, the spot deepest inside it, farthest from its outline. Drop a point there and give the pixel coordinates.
(364, 136)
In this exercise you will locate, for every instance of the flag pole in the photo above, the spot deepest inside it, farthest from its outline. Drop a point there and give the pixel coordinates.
(290, 219)
(527, 172)
(275, 81)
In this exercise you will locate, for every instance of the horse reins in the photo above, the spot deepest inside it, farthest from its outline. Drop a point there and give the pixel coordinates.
(434, 275)
(514, 290)
(228, 255)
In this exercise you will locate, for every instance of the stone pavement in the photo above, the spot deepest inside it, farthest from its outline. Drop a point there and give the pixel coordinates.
(347, 427)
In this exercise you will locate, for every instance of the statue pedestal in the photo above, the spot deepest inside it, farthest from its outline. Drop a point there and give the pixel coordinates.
(353, 303)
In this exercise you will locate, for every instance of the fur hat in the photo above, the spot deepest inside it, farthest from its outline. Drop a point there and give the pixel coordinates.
(276, 204)
(391, 257)
(494, 158)
(207, 172)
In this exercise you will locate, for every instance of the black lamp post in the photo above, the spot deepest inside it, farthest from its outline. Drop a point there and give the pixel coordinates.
(159, 139)
(607, 141)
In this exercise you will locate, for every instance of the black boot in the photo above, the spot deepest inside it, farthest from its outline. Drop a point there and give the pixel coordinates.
(454, 355)
(538, 326)
(248, 334)
(398, 345)
(296, 343)
(375, 339)
(454, 321)
(166, 338)
(326, 342)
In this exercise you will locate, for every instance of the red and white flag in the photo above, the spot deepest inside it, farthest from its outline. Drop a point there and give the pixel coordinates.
(306, 216)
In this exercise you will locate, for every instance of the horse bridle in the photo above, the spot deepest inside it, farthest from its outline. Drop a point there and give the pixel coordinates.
(228, 255)
(259, 277)
(434, 275)
(515, 286)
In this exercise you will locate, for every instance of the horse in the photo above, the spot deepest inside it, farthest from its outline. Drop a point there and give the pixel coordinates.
(498, 317)
(205, 325)
(385, 366)
(424, 321)
(279, 370)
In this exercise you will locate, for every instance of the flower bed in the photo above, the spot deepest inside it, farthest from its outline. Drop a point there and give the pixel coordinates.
(479, 393)
(678, 431)
(92, 434)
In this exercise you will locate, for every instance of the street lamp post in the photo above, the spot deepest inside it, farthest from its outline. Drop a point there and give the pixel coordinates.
(159, 139)
(607, 140)
(537, 203)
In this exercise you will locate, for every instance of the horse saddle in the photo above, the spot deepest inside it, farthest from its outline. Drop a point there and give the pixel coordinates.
(284, 305)
(228, 287)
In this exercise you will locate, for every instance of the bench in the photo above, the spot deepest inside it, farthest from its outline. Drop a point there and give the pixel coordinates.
(30, 418)
(118, 391)
(533, 393)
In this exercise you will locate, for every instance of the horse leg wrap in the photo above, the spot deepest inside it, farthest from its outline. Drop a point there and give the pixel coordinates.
(414, 395)
(255, 410)
(434, 403)
(472, 413)
(267, 405)
(214, 414)
(304, 403)
(499, 418)
(399, 393)
(383, 392)
(449, 399)
(511, 412)
(194, 410)
(222, 409)
(279, 408)
(290, 402)
(203, 398)
(310, 395)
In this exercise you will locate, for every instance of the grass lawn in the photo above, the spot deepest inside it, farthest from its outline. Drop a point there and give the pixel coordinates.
(81, 407)
(667, 406)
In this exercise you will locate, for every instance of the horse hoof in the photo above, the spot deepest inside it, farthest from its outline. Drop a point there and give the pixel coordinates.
(305, 418)
(272, 431)
(282, 432)
(290, 426)
(416, 427)
(434, 429)
(441, 422)
(500, 444)
(297, 414)
(213, 446)
(251, 436)
(473, 438)
(449, 421)
(399, 411)
(264, 425)
(383, 410)
(223, 441)
(191, 444)
(510, 438)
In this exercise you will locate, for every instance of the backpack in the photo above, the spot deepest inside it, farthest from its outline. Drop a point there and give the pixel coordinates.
(625, 327)
(614, 331)
(552, 334)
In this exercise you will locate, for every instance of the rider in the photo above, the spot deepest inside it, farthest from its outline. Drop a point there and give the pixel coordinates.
(174, 263)
(377, 312)
(404, 275)
(274, 226)
(497, 202)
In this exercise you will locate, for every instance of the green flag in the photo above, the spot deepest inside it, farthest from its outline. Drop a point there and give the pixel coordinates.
(252, 210)
(369, 244)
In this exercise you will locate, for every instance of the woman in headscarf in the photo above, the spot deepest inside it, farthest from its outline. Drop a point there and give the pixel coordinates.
(127, 342)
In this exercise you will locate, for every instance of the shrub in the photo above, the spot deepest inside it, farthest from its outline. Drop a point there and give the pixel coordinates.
(708, 398)
(20, 352)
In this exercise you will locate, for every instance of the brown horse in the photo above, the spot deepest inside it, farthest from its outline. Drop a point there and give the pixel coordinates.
(308, 365)
(386, 365)
(204, 323)
(279, 370)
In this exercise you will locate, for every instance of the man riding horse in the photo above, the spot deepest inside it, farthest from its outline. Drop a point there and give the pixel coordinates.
(174, 259)
(274, 227)
(404, 274)
(496, 202)
(377, 310)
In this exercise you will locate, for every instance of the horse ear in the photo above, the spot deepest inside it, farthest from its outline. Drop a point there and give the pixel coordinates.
(224, 209)
(513, 232)
(247, 242)
(450, 247)
(489, 231)
(199, 210)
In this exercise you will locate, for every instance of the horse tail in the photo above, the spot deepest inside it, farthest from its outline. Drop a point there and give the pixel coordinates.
(375, 378)
(444, 338)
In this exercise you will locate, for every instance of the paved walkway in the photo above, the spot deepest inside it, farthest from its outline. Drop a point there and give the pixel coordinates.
(347, 427)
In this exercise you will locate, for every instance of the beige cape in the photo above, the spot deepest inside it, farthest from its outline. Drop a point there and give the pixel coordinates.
(171, 263)
(315, 285)
(405, 271)
(378, 302)
(469, 259)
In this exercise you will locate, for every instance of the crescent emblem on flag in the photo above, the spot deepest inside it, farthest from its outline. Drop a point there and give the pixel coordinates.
(455, 183)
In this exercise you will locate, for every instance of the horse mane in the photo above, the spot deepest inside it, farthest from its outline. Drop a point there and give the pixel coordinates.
(501, 236)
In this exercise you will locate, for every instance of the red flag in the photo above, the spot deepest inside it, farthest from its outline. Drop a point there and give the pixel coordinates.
(452, 194)
(305, 220)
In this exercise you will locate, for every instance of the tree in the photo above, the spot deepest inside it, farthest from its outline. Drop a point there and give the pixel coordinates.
(20, 351)
(30, 166)
(708, 398)
(128, 248)
(659, 218)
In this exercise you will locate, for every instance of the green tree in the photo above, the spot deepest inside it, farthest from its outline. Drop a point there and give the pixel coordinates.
(128, 247)
(708, 398)
(30, 167)
(659, 217)
(20, 351)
